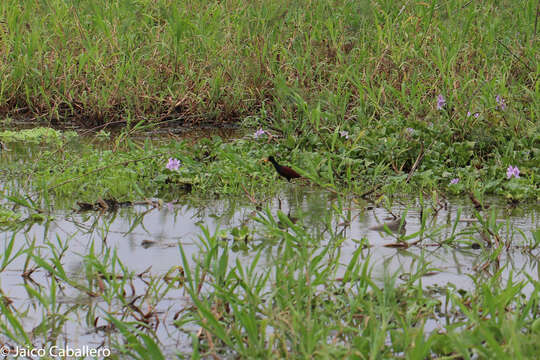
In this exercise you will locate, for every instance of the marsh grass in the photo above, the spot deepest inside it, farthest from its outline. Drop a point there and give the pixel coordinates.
(41, 175)
(296, 65)
(345, 92)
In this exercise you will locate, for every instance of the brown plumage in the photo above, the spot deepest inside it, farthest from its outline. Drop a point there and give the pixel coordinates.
(284, 171)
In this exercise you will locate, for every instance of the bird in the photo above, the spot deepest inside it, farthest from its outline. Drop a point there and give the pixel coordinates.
(284, 171)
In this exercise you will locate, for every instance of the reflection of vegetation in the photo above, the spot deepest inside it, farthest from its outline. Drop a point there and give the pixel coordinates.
(11, 220)
(274, 285)
(295, 303)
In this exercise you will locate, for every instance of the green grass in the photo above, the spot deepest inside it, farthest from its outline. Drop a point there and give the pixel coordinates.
(359, 63)
(56, 171)
(371, 69)
(308, 304)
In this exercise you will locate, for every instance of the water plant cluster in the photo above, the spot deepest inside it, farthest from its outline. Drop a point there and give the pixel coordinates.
(66, 166)
(393, 94)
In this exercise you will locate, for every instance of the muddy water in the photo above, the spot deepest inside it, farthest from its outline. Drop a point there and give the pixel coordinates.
(146, 239)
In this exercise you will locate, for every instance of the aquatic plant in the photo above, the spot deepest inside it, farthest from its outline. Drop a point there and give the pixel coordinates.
(173, 164)
(441, 102)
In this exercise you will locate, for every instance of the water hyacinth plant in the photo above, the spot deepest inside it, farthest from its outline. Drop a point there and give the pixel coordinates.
(501, 103)
(258, 133)
(512, 171)
(441, 102)
(173, 164)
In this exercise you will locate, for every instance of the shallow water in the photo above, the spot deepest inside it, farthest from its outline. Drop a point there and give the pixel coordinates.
(146, 240)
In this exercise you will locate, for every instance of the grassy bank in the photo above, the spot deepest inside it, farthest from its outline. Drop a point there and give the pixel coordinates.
(359, 63)
(387, 93)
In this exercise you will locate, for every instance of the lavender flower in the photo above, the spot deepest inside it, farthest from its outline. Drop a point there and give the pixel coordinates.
(512, 171)
(476, 115)
(441, 102)
(454, 181)
(258, 133)
(410, 131)
(173, 164)
(344, 134)
(501, 103)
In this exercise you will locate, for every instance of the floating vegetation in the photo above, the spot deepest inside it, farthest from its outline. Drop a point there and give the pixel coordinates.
(38, 135)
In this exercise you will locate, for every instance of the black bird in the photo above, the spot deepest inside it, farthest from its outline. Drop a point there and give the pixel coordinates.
(284, 171)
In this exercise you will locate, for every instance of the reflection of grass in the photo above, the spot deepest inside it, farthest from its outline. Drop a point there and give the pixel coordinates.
(308, 303)
(294, 292)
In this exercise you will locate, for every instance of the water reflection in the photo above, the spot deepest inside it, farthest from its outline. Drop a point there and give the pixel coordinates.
(144, 239)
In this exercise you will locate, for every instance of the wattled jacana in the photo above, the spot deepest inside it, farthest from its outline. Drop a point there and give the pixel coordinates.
(284, 171)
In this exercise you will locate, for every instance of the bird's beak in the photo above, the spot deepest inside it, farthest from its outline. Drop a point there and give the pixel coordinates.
(264, 160)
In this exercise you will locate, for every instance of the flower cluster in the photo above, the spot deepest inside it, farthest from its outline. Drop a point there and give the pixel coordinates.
(512, 171)
(258, 133)
(173, 164)
(441, 102)
(501, 103)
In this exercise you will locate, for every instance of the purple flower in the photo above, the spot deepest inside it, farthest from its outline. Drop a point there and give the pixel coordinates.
(258, 133)
(454, 181)
(173, 164)
(344, 134)
(440, 102)
(500, 102)
(476, 115)
(512, 171)
(410, 131)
